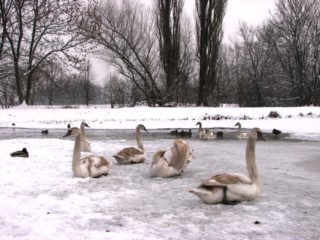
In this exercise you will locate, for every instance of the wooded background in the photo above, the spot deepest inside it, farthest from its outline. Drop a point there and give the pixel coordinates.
(159, 55)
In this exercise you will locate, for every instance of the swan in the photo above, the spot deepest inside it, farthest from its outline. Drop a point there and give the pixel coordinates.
(91, 166)
(85, 144)
(240, 134)
(201, 131)
(133, 154)
(209, 135)
(205, 133)
(20, 153)
(171, 162)
(231, 188)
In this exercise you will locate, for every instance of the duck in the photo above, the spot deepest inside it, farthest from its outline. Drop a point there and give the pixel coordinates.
(20, 153)
(174, 132)
(45, 132)
(133, 154)
(241, 135)
(85, 144)
(184, 134)
(205, 133)
(276, 132)
(219, 134)
(93, 166)
(232, 188)
(172, 162)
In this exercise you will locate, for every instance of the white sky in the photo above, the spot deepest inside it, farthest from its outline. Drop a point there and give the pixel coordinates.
(254, 12)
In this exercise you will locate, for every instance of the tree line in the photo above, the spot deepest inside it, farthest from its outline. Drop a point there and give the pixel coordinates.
(158, 54)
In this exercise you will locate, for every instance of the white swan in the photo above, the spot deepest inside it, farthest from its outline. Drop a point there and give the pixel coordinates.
(241, 135)
(133, 154)
(171, 162)
(90, 166)
(234, 187)
(85, 144)
(205, 133)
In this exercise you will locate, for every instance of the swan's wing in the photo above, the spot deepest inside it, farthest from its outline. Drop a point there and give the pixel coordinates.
(157, 156)
(178, 155)
(98, 166)
(130, 151)
(225, 180)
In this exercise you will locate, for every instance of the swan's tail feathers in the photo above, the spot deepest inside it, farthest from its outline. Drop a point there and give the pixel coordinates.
(118, 157)
(198, 192)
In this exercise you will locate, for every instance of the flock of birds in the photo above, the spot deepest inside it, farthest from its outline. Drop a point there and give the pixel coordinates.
(226, 188)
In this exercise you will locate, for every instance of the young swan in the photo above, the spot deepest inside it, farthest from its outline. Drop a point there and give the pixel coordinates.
(205, 133)
(85, 144)
(171, 162)
(230, 188)
(90, 166)
(240, 134)
(133, 154)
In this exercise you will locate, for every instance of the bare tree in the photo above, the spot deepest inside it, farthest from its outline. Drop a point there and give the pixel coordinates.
(38, 30)
(210, 14)
(117, 91)
(120, 28)
(297, 43)
(48, 84)
(7, 92)
(87, 82)
(168, 20)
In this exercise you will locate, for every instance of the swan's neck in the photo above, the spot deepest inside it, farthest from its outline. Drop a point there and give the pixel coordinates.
(251, 161)
(76, 155)
(200, 127)
(139, 141)
(239, 129)
(82, 131)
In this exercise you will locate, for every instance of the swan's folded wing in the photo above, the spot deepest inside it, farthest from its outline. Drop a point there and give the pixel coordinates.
(225, 180)
(157, 156)
(130, 151)
(178, 157)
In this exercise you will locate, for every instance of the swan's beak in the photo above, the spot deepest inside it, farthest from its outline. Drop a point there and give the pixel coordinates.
(68, 133)
(86, 125)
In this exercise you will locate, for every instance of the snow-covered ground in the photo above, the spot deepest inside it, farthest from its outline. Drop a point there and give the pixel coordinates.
(41, 200)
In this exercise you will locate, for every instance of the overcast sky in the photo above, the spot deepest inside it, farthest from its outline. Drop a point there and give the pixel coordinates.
(253, 12)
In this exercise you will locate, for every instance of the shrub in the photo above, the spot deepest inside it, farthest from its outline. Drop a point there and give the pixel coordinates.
(274, 114)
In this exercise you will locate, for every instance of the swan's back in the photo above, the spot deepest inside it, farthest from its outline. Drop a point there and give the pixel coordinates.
(98, 166)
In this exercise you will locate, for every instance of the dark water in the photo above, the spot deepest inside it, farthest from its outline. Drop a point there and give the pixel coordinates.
(102, 134)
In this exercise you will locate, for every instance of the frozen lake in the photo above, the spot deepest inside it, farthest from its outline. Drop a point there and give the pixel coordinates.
(41, 200)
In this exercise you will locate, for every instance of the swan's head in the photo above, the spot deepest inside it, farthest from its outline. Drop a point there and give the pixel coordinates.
(73, 132)
(83, 124)
(238, 124)
(198, 123)
(141, 127)
(257, 134)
